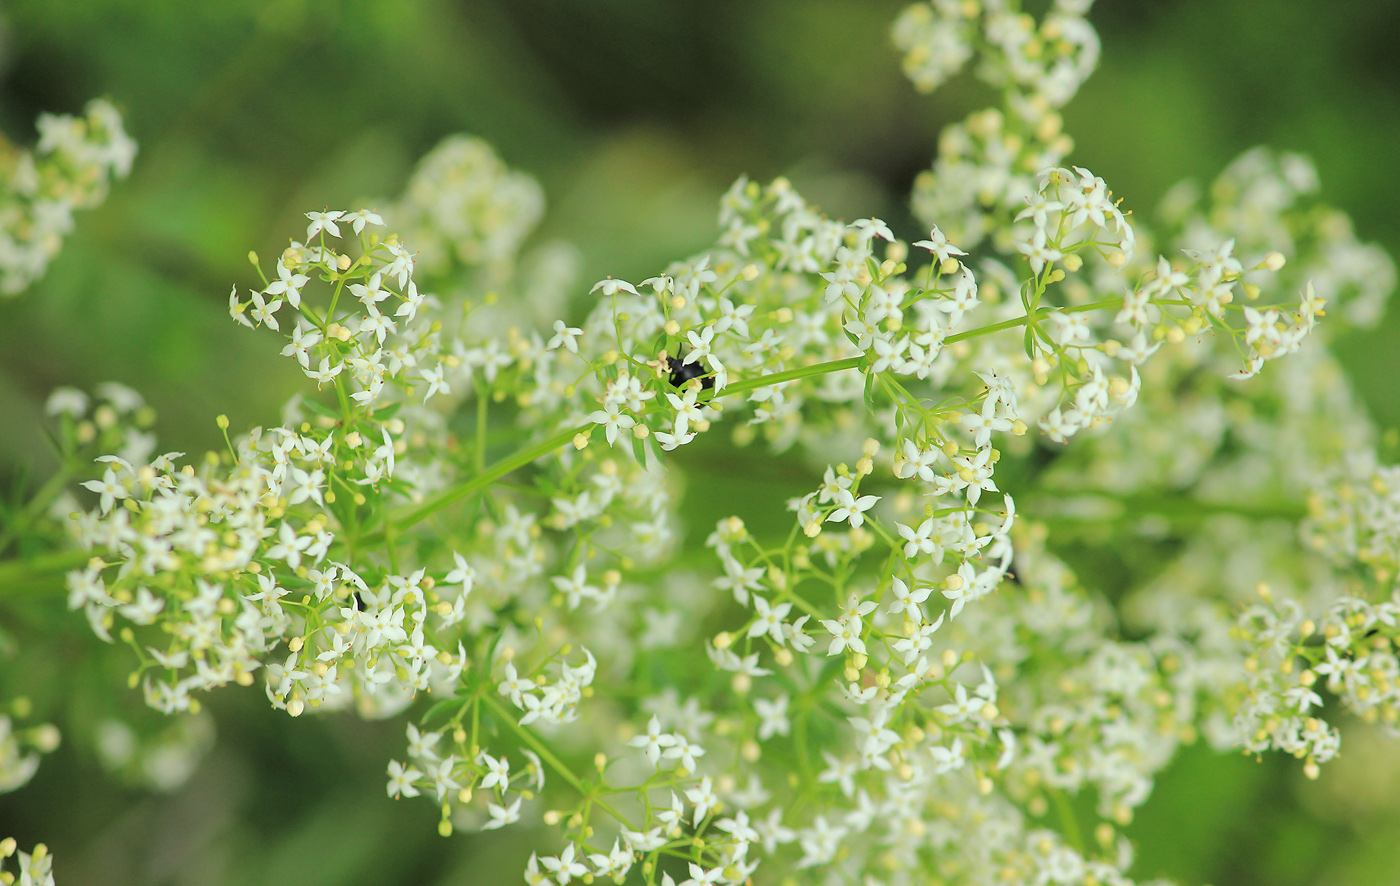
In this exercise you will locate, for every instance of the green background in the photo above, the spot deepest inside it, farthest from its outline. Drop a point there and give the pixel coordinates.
(634, 115)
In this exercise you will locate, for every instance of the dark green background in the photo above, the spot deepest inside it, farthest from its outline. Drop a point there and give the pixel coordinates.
(634, 115)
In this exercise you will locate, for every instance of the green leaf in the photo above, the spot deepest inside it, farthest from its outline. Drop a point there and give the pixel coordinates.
(387, 412)
(320, 408)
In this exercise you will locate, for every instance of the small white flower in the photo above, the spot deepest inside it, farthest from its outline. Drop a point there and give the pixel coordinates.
(323, 221)
(287, 285)
(504, 815)
(565, 336)
(610, 286)
(939, 245)
(401, 780)
(360, 217)
(769, 620)
(852, 509)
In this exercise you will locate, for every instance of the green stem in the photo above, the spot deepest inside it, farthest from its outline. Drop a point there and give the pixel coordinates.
(763, 381)
(547, 756)
(1176, 508)
(480, 481)
(986, 330)
(16, 575)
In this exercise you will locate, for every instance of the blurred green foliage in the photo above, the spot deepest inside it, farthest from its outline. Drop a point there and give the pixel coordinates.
(634, 115)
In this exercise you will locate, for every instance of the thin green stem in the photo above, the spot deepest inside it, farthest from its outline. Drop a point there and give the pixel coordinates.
(986, 330)
(17, 575)
(763, 381)
(548, 757)
(1174, 507)
(479, 482)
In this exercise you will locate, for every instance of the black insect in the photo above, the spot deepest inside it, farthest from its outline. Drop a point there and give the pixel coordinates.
(684, 372)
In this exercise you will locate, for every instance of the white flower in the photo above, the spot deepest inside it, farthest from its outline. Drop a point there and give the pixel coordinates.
(412, 301)
(907, 601)
(514, 686)
(869, 228)
(845, 635)
(565, 336)
(323, 221)
(497, 772)
(66, 401)
(840, 772)
(463, 574)
(653, 741)
(687, 412)
(704, 798)
(265, 312)
(974, 474)
(612, 287)
(769, 620)
(371, 292)
(612, 419)
(325, 372)
(437, 381)
(360, 217)
(504, 815)
(401, 780)
(109, 488)
(939, 245)
(772, 715)
(947, 759)
(699, 343)
(644, 842)
(981, 424)
(672, 441)
(575, 586)
(684, 751)
(852, 509)
(304, 338)
(288, 285)
(1038, 250)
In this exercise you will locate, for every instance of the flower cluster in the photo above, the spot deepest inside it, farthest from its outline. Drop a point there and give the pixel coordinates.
(1039, 63)
(464, 206)
(904, 680)
(70, 168)
(1349, 649)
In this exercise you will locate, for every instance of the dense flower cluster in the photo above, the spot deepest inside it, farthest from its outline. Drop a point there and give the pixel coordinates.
(464, 207)
(483, 510)
(70, 168)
